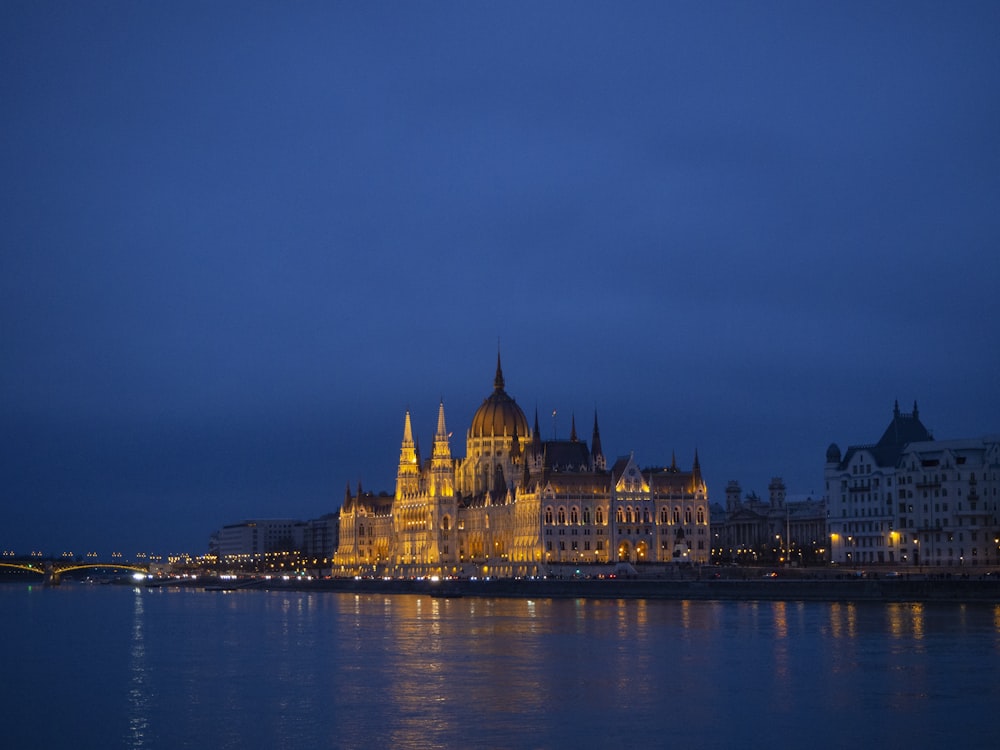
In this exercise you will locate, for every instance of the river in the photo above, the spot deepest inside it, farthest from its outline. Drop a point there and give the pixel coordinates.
(96, 666)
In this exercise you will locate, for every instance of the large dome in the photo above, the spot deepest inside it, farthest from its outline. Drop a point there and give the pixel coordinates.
(499, 414)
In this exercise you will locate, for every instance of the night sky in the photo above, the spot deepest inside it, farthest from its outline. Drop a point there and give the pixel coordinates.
(240, 239)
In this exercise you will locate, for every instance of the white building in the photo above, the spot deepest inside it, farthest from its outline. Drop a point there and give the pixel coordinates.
(911, 500)
(948, 502)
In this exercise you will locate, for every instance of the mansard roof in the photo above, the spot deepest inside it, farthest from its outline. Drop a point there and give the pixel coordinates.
(902, 430)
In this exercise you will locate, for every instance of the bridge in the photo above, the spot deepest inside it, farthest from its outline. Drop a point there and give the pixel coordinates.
(51, 570)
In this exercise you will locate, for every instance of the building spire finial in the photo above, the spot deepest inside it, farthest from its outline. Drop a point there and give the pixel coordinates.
(498, 380)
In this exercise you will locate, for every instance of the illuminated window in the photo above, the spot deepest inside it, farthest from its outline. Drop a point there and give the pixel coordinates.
(687, 515)
(663, 515)
(599, 516)
(574, 516)
(562, 515)
(586, 516)
(677, 515)
(620, 515)
(701, 515)
(548, 515)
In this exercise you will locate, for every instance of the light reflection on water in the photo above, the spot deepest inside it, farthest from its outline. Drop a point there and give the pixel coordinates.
(292, 670)
(138, 689)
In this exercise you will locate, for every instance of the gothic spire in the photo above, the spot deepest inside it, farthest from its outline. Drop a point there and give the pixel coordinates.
(595, 441)
(348, 500)
(597, 461)
(442, 450)
(499, 485)
(572, 428)
(498, 380)
(408, 473)
(536, 437)
(515, 445)
(696, 480)
(407, 429)
(441, 431)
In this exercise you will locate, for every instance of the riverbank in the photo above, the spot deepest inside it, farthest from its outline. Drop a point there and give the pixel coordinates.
(829, 590)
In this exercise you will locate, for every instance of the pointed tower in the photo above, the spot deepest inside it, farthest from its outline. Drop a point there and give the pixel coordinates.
(408, 474)
(348, 505)
(525, 477)
(515, 447)
(596, 452)
(697, 484)
(537, 450)
(499, 486)
(498, 383)
(442, 448)
(572, 429)
(442, 470)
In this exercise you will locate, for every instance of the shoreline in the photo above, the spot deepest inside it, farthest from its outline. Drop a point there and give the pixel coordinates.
(867, 590)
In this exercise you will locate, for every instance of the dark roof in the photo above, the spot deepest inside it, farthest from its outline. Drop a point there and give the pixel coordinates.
(902, 430)
(569, 455)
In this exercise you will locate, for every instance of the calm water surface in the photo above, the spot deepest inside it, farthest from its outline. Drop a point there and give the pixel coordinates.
(115, 667)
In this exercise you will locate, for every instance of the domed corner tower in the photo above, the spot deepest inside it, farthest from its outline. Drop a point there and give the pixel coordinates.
(497, 426)
(833, 454)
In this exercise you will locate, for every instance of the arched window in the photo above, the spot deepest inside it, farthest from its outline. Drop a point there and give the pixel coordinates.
(445, 523)
(701, 515)
(664, 516)
(645, 515)
(628, 515)
(586, 516)
(677, 515)
(548, 515)
(574, 516)
(620, 515)
(562, 515)
(687, 515)
(599, 516)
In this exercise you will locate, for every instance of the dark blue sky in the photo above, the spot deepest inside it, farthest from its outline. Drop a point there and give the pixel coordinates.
(239, 240)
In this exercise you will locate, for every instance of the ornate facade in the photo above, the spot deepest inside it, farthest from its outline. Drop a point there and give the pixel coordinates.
(517, 504)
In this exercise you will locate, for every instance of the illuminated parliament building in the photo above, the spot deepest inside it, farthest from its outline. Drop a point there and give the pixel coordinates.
(516, 505)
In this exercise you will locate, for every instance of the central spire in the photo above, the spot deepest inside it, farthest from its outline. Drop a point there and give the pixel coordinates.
(498, 380)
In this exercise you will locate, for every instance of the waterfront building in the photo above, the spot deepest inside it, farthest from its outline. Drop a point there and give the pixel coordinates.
(947, 502)
(253, 542)
(909, 499)
(780, 530)
(516, 504)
